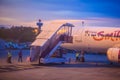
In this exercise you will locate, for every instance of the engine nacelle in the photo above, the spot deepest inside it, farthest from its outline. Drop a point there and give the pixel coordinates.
(113, 54)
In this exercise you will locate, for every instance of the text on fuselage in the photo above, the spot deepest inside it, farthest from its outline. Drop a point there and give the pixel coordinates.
(102, 35)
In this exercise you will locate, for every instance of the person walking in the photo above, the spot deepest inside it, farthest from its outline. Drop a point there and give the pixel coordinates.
(9, 57)
(20, 56)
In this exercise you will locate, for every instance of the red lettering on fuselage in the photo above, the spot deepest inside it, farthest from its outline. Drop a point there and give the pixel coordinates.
(99, 36)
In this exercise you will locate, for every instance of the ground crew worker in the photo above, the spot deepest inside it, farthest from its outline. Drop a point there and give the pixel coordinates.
(20, 56)
(82, 57)
(77, 56)
(9, 57)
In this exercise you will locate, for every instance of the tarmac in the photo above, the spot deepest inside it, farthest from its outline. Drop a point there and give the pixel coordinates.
(69, 71)
(95, 67)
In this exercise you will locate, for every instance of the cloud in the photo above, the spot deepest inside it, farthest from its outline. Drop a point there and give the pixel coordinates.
(102, 22)
(6, 19)
(25, 11)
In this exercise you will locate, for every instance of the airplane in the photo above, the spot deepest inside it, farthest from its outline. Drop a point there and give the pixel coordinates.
(80, 38)
(104, 40)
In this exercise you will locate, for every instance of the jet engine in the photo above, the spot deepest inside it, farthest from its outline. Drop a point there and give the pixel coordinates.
(113, 54)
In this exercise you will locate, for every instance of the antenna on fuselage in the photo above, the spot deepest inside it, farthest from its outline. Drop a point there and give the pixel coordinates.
(82, 29)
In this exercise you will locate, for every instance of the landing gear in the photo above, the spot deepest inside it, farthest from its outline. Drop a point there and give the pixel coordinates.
(62, 62)
(111, 63)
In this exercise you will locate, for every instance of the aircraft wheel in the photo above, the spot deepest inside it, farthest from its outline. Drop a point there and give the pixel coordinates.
(63, 63)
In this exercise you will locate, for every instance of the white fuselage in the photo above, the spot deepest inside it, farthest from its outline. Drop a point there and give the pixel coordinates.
(94, 39)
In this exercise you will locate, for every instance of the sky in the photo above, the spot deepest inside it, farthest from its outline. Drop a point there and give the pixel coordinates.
(27, 12)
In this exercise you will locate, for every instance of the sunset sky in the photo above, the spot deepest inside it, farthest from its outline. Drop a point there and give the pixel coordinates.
(27, 12)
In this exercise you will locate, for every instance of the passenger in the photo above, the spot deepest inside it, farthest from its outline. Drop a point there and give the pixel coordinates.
(9, 57)
(20, 56)
(39, 24)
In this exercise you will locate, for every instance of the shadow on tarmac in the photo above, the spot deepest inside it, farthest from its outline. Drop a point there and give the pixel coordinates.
(81, 65)
(12, 67)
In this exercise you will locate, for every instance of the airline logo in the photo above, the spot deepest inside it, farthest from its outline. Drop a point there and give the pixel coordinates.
(102, 35)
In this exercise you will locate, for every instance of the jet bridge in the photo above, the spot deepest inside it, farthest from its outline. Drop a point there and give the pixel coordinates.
(48, 41)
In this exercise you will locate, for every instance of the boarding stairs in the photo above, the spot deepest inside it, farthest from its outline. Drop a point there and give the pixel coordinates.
(49, 40)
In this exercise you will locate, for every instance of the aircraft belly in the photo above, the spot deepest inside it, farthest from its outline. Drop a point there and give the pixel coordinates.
(85, 48)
